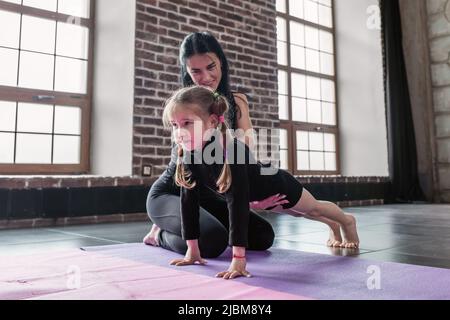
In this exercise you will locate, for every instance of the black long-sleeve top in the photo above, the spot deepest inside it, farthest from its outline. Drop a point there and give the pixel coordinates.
(250, 182)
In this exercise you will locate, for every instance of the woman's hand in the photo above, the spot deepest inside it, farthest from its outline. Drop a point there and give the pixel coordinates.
(192, 256)
(236, 269)
(270, 202)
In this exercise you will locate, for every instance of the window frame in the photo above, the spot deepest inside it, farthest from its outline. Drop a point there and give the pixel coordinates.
(293, 126)
(37, 96)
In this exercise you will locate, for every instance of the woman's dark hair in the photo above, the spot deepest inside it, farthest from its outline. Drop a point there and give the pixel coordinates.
(201, 43)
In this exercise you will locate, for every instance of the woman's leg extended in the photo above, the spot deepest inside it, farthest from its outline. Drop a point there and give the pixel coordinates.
(164, 211)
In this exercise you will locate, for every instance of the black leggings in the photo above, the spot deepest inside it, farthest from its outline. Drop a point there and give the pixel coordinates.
(163, 208)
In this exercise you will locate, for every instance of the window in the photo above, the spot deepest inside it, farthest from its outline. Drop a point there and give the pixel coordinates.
(307, 87)
(46, 50)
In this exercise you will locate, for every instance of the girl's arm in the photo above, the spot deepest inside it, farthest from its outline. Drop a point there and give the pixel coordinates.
(190, 227)
(237, 198)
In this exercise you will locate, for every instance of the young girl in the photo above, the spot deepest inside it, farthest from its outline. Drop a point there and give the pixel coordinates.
(208, 157)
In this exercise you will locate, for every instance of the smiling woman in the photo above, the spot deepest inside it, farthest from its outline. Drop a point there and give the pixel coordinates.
(205, 69)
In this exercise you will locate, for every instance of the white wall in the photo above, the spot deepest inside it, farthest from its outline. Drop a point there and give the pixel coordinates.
(112, 118)
(362, 119)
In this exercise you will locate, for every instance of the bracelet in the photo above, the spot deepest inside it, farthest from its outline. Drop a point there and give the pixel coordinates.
(238, 257)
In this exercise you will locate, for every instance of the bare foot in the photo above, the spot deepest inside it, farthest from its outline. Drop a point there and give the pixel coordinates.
(335, 239)
(152, 237)
(351, 239)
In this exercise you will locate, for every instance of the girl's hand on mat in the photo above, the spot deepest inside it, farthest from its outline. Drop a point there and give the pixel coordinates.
(192, 255)
(270, 202)
(187, 261)
(236, 269)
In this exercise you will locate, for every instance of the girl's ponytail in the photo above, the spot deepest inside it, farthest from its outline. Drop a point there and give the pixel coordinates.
(219, 107)
(182, 176)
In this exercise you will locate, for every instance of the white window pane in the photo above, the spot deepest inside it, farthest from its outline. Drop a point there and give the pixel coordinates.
(326, 42)
(329, 142)
(317, 161)
(328, 113)
(14, 1)
(325, 2)
(326, 63)
(9, 29)
(298, 57)
(316, 141)
(70, 75)
(37, 118)
(77, 8)
(36, 71)
(34, 148)
(281, 6)
(66, 150)
(284, 164)
(302, 160)
(312, 38)
(311, 11)
(72, 41)
(282, 82)
(67, 120)
(330, 161)
(298, 85)
(299, 110)
(312, 60)
(283, 139)
(328, 92)
(9, 61)
(313, 88)
(49, 5)
(296, 8)
(38, 34)
(314, 111)
(282, 53)
(7, 116)
(297, 33)
(6, 147)
(281, 29)
(325, 16)
(283, 111)
(302, 140)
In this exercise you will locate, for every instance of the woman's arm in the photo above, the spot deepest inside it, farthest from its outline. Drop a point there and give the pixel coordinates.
(243, 122)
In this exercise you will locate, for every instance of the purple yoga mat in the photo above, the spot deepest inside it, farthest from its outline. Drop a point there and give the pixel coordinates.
(312, 275)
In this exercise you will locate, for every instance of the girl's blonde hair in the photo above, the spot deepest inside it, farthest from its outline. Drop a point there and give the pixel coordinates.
(203, 102)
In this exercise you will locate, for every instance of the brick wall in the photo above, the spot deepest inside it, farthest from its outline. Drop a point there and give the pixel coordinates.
(439, 37)
(247, 31)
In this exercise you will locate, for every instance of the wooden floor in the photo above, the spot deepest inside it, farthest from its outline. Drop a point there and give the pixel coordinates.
(413, 234)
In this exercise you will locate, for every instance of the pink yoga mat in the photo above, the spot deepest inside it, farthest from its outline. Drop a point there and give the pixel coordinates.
(77, 274)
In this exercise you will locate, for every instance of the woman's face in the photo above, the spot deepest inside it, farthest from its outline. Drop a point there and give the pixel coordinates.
(205, 70)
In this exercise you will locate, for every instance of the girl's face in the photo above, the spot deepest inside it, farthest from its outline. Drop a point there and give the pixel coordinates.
(205, 70)
(189, 130)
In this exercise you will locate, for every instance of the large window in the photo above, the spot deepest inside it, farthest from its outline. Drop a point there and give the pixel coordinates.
(307, 87)
(45, 85)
